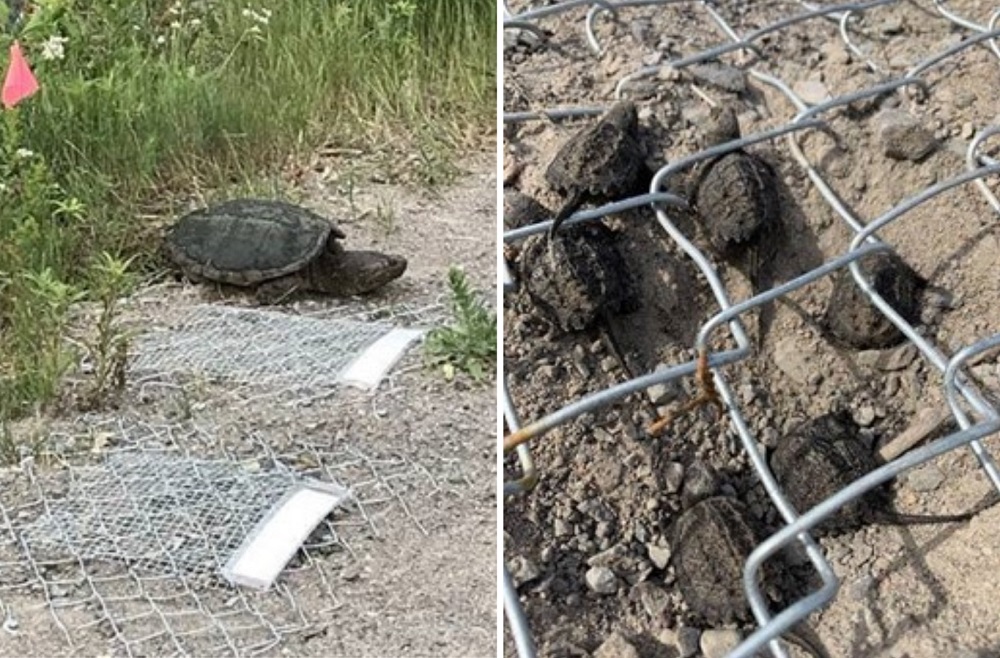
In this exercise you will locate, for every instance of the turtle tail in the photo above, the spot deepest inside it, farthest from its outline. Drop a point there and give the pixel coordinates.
(567, 209)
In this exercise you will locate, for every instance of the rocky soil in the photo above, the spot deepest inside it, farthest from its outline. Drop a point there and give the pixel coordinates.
(590, 547)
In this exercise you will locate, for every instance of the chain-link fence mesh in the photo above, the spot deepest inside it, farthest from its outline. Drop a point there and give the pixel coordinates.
(760, 50)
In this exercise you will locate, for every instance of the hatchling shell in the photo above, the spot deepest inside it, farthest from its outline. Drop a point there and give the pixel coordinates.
(711, 543)
(247, 241)
(601, 162)
(817, 459)
(583, 278)
(737, 201)
(519, 210)
(854, 320)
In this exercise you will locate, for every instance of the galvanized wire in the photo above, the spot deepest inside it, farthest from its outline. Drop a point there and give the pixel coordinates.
(865, 241)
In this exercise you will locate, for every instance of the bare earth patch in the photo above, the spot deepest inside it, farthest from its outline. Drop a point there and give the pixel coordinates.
(418, 577)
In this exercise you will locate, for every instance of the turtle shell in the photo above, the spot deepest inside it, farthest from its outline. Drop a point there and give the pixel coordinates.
(736, 200)
(603, 160)
(854, 320)
(711, 543)
(244, 242)
(819, 458)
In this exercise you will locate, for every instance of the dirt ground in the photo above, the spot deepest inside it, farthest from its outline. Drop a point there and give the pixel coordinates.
(426, 584)
(609, 492)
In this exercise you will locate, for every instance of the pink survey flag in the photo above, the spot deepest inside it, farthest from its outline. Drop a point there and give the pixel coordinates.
(20, 82)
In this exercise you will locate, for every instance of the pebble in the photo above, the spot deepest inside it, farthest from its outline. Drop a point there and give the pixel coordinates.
(865, 415)
(673, 476)
(601, 580)
(716, 643)
(812, 92)
(523, 570)
(687, 641)
(616, 646)
(561, 529)
(721, 76)
(792, 360)
(658, 555)
(898, 359)
(903, 137)
(926, 478)
(653, 598)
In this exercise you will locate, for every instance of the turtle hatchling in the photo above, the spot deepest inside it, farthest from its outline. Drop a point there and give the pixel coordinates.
(736, 199)
(277, 248)
(587, 280)
(711, 543)
(822, 456)
(601, 163)
(852, 318)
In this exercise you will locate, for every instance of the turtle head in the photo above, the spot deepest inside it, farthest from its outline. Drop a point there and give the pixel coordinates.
(348, 273)
(721, 126)
(624, 116)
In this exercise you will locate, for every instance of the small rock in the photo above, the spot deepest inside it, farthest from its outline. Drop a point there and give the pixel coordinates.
(793, 360)
(616, 646)
(561, 529)
(812, 92)
(968, 130)
(701, 482)
(835, 52)
(687, 641)
(673, 476)
(609, 364)
(601, 580)
(523, 570)
(898, 359)
(658, 555)
(926, 478)
(891, 25)
(716, 643)
(663, 393)
(653, 598)
(903, 137)
(721, 76)
(865, 415)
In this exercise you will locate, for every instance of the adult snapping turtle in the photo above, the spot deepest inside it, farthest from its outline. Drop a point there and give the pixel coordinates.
(276, 247)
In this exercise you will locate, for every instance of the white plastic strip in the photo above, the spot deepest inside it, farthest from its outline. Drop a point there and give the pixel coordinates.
(276, 538)
(371, 366)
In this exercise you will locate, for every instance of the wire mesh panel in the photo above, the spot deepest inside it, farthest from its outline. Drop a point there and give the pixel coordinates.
(738, 50)
(262, 348)
(122, 547)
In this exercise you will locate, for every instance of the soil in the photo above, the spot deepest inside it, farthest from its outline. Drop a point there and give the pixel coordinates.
(426, 584)
(609, 493)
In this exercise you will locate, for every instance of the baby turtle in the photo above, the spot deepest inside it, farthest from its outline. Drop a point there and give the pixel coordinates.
(853, 319)
(600, 163)
(822, 456)
(711, 543)
(587, 279)
(736, 199)
(276, 247)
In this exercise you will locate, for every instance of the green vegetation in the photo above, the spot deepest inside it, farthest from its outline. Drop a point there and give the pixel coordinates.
(143, 101)
(470, 343)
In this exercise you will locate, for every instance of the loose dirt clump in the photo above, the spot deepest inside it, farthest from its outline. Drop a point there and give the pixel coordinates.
(609, 493)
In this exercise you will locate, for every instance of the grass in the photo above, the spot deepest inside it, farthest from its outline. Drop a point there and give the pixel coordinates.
(143, 101)
(470, 343)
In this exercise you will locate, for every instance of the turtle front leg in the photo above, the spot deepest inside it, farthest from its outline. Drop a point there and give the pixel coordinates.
(278, 290)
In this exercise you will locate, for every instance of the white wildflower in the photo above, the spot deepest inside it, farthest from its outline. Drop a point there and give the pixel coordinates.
(53, 47)
(24, 154)
(160, 40)
(262, 17)
(195, 22)
(175, 25)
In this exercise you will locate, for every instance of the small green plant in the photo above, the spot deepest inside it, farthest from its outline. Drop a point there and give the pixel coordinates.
(109, 280)
(470, 343)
